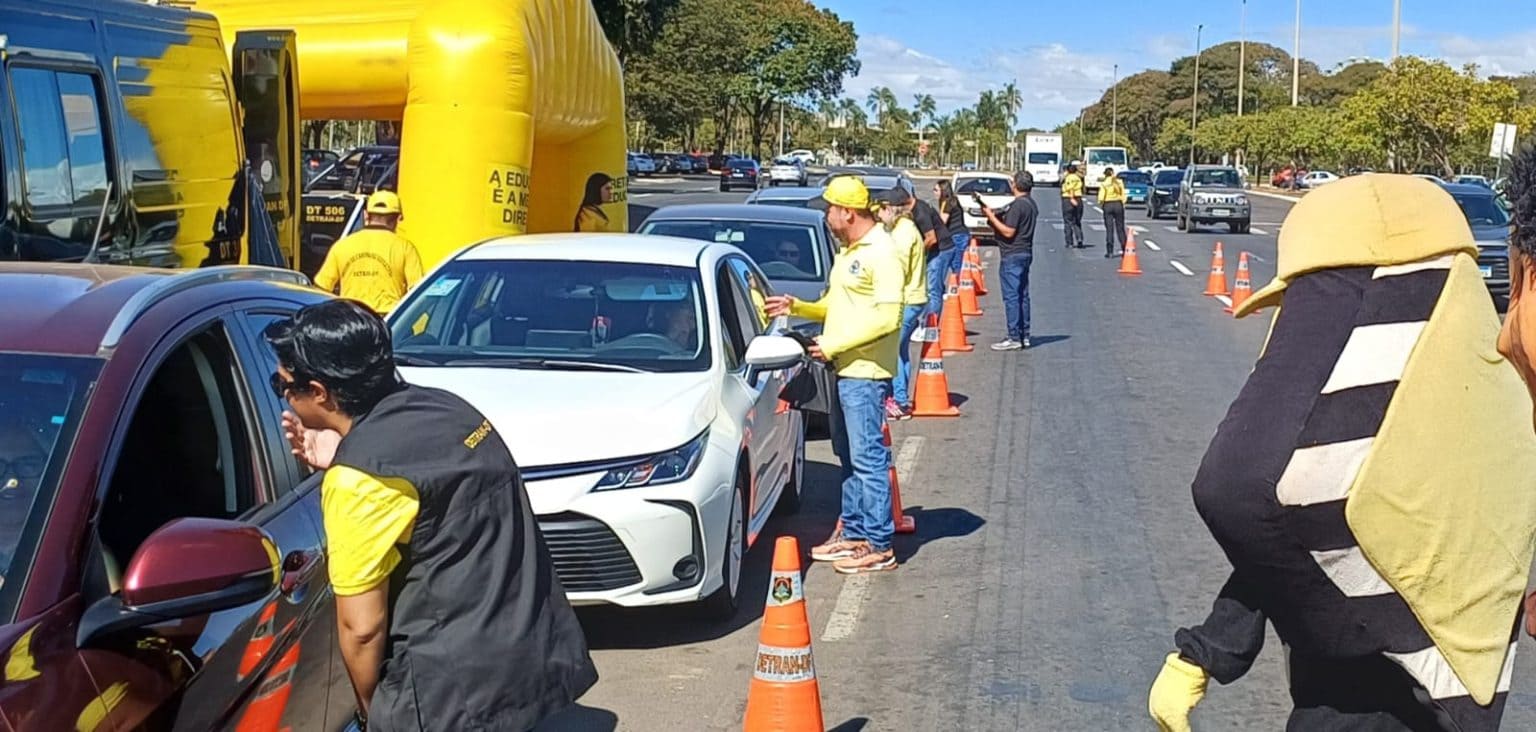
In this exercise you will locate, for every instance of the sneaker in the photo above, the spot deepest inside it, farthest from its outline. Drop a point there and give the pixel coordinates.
(1107, 255)
(865, 559)
(834, 548)
(1026, 343)
(906, 412)
(893, 411)
(918, 336)
(1007, 344)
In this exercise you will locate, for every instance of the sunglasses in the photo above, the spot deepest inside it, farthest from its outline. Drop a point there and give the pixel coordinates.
(281, 386)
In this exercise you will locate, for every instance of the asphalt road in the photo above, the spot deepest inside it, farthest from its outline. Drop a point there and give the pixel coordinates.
(1057, 548)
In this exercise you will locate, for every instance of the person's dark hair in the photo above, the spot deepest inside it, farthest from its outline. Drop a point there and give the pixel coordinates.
(1521, 192)
(592, 198)
(948, 201)
(1023, 181)
(1071, 167)
(341, 344)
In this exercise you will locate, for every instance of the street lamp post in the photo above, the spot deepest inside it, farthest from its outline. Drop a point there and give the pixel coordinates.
(1114, 114)
(1242, 53)
(1194, 101)
(1397, 25)
(1296, 60)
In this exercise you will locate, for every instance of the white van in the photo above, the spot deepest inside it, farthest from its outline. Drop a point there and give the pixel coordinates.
(1042, 157)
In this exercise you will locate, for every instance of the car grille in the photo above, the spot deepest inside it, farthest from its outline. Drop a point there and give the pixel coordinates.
(1217, 200)
(1499, 263)
(588, 556)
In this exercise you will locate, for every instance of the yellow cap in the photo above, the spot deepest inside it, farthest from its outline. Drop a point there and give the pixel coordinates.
(384, 203)
(1366, 220)
(845, 191)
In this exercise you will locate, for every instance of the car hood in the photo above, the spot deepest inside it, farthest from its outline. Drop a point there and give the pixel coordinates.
(562, 417)
(1491, 236)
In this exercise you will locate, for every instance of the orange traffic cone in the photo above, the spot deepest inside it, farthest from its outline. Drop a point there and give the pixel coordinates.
(1130, 264)
(784, 696)
(932, 391)
(952, 335)
(1243, 288)
(1216, 283)
(904, 524)
(973, 257)
(969, 307)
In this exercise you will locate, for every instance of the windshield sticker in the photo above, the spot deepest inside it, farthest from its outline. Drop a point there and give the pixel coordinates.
(442, 287)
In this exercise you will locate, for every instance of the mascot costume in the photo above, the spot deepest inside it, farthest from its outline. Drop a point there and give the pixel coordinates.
(1371, 483)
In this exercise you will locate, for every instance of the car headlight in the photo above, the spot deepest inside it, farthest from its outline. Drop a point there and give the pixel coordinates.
(1241, 200)
(668, 467)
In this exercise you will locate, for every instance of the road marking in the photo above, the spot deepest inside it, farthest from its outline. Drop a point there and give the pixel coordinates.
(1251, 255)
(640, 195)
(850, 599)
(1224, 300)
(1138, 228)
(1173, 229)
(1096, 227)
(1152, 245)
(1259, 231)
(1181, 268)
(1059, 227)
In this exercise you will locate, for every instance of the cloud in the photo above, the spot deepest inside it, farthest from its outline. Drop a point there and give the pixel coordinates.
(1507, 55)
(885, 61)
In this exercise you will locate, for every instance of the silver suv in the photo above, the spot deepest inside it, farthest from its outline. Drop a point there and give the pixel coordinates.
(1213, 194)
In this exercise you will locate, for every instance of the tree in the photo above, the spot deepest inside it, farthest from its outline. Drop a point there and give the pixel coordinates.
(632, 26)
(1425, 109)
(923, 108)
(1012, 101)
(797, 52)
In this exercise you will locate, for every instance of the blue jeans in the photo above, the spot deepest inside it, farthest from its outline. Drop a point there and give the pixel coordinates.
(940, 268)
(911, 315)
(1014, 271)
(962, 243)
(859, 442)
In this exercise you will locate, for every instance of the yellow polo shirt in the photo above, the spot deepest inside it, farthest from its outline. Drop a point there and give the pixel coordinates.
(862, 308)
(1111, 190)
(375, 267)
(910, 250)
(1072, 186)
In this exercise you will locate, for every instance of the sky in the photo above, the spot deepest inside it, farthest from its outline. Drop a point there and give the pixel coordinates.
(1063, 54)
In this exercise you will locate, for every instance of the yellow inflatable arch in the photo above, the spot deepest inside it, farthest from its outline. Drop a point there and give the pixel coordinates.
(512, 110)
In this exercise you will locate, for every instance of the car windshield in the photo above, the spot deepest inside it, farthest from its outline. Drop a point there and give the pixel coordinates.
(1135, 176)
(787, 161)
(1043, 158)
(1107, 156)
(784, 251)
(1167, 177)
(1482, 210)
(1215, 178)
(742, 165)
(361, 171)
(984, 186)
(40, 402)
(792, 201)
(555, 314)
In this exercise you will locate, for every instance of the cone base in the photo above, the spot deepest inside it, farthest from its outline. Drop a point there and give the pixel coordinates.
(952, 411)
(974, 313)
(906, 525)
(958, 349)
(1213, 293)
(1130, 274)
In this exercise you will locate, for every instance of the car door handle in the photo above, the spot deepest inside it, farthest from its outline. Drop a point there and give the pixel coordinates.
(298, 567)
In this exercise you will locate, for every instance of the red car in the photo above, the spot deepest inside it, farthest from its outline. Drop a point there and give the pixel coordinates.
(1284, 177)
(162, 562)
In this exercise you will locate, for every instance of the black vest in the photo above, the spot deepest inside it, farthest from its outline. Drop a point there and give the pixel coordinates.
(481, 636)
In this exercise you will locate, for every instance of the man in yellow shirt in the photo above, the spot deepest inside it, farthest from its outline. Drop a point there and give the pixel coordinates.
(861, 313)
(374, 266)
(1112, 200)
(1072, 207)
(894, 207)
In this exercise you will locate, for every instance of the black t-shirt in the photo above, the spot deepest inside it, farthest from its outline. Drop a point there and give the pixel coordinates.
(927, 220)
(956, 212)
(1020, 215)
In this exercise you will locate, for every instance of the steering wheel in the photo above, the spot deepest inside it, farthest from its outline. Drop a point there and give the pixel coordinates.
(655, 341)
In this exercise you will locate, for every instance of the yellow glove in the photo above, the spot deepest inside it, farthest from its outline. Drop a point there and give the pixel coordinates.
(1178, 688)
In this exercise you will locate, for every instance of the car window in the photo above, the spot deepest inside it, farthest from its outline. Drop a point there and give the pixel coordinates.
(783, 250)
(1482, 210)
(1168, 177)
(262, 362)
(63, 149)
(1131, 176)
(40, 403)
(1217, 178)
(533, 312)
(757, 293)
(1107, 156)
(1043, 158)
(984, 186)
(187, 450)
(737, 325)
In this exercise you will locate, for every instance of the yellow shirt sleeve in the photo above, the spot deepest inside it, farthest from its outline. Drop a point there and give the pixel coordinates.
(411, 269)
(329, 275)
(365, 517)
(816, 311)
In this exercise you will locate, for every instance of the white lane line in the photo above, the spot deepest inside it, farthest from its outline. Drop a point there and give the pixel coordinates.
(850, 599)
(1181, 268)
(1173, 229)
(1224, 300)
(1251, 255)
(1138, 228)
(1096, 227)
(1152, 245)
(1258, 231)
(640, 195)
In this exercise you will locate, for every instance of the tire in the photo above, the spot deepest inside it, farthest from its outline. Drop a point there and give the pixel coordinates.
(790, 498)
(725, 188)
(722, 604)
(1238, 227)
(1183, 223)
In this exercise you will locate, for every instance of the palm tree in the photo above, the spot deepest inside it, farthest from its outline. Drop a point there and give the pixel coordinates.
(1012, 101)
(853, 113)
(881, 102)
(924, 107)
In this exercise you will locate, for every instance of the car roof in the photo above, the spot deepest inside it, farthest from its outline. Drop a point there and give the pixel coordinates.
(737, 212)
(788, 193)
(1466, 189)
(668, 251)
(983, 174)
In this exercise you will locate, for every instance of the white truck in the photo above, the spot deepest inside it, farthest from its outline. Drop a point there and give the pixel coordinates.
(1096, 159)
(1042, 157)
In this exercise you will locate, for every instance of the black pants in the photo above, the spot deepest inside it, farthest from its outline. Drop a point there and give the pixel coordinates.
(1114, 226)
(1366, 695)
(1072, 215)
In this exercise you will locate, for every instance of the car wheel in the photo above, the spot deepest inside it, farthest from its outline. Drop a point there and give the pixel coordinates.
(1239, 227)
(1183, 223)
(789, 500)
(722, 604)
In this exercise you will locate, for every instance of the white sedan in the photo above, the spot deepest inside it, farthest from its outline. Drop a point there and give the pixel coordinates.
(788, 169)
(636, 381)
(1317, 179)
(992, 188)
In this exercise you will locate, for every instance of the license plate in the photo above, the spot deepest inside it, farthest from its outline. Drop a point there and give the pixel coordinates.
(1221, 212)
(1487, 271)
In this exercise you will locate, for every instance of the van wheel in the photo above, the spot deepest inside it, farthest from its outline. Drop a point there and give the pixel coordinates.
(722, 604)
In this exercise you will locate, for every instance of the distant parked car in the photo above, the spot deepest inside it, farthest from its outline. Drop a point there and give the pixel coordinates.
(788, 169)
(1285, 177)
(739, 173)
(666, 163)
(1163, 193)
(700, 164)
(641, 164)
(797, 197)
(1317, 178)
(1490, 224)
(1474, 180)
(1137, 185)
(806, 156)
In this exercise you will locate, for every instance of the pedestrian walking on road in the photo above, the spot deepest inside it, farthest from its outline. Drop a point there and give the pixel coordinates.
(449, 612)
(1015, 229)
(895, 209)
(949, 255)
(1072, 207)
(1112, 201)
(861, 313)
(374, 266)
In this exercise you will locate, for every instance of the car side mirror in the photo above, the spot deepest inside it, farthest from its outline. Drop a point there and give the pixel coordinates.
(773, 352)
(186, 568)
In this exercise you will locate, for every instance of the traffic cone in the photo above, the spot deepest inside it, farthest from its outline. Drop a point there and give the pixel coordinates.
(952, 335)
(1130, 264)
(932, 390)
(784, 696)
(973, 256)
(1216, 283)
(969, 307)
(904, 524)
(1243, 288)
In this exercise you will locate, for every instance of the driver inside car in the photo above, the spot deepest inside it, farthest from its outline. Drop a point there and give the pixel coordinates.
(675, 321)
